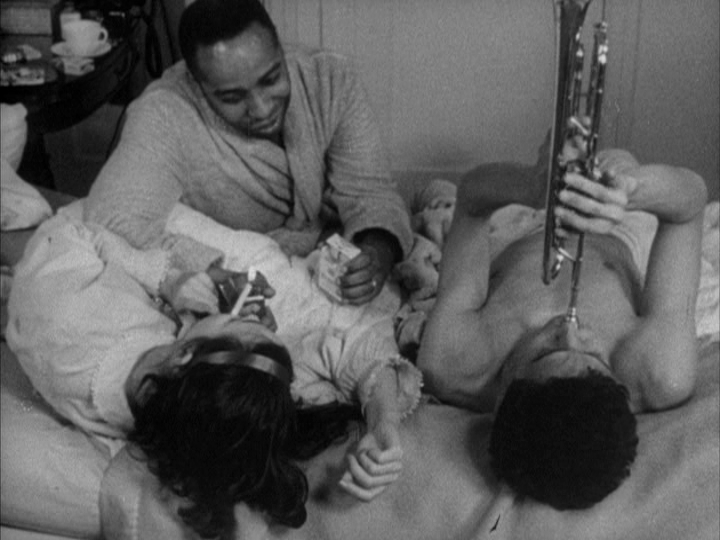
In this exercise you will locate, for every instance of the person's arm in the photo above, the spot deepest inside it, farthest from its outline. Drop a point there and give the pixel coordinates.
(492, 186)
(372, 212)
(362, 189)
(139, 185)
(184, 291)
(388, 391)
(665, 347)
(455, 354)
(657, 360)
(377, 461)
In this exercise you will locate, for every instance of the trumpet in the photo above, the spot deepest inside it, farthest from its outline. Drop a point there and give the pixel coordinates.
(567, 125)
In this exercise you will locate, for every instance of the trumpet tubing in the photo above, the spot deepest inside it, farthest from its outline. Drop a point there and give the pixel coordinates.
(568, 124)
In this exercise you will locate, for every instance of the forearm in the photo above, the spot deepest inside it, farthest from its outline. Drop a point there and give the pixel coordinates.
(465, 264)
(453, 354)
(673, 194)
(364, 192)
(490, 187)
(383, 405)
(455, 357)
(389, 391)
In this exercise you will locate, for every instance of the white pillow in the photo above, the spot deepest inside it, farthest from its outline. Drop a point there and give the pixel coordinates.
(21, 205)
(51, 471)
(13, 128)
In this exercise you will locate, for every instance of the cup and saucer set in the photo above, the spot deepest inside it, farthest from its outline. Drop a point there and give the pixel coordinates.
(82, 38)
(61, 48)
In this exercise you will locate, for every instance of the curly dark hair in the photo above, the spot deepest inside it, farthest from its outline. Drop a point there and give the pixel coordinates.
(206, 22)
(566, 442)
(220, 434)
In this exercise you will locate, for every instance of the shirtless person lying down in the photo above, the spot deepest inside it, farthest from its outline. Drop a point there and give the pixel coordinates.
(565, 392)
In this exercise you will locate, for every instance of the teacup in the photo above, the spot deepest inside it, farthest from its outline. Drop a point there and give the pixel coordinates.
(84, 37)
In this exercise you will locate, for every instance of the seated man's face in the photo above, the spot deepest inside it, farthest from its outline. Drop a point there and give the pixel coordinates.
(558, 349)
(245, 80)
(163, 358)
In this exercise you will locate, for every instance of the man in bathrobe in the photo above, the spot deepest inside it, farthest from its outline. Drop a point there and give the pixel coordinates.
(257, 137)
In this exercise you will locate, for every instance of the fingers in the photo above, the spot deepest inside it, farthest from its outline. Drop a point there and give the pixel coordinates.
(573, 220)
(589, 206)
(198, 294)
(362, 280)
(579, 203)
(370, 472)
(596, 190)
(267, 317)
(260, 312)
(263, 285)
(380, 462)
(366, 479)
(365, 495)
(361, 293)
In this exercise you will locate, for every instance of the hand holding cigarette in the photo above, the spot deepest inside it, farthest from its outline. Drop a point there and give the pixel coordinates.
(243, 294)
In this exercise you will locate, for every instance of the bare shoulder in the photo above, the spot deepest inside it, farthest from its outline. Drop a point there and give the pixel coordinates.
(657, 362)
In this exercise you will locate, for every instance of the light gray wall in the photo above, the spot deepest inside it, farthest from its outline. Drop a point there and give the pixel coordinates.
(460, 82)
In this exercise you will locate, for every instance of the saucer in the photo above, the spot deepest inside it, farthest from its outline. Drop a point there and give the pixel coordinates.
(61, 48)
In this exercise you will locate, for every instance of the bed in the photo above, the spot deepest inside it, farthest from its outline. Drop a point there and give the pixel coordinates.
(58, 484)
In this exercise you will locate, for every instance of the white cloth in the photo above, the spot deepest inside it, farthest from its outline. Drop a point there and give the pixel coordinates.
(333, 346)
(446, 491)
(21, 205)
(13, 127)
(78, 325)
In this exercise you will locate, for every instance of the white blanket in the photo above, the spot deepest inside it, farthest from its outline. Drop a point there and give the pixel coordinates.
(447, 492)
(302, 309)
(78, 325)
(672, 494)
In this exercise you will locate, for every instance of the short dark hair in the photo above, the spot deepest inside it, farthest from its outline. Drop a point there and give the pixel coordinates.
(567, 442)
(221, 434)
(206, 22)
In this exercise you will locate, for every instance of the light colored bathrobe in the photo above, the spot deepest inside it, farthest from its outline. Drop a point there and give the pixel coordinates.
(174, 148)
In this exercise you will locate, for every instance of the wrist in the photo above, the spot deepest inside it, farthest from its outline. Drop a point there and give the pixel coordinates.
(385, 245)
(377, 414)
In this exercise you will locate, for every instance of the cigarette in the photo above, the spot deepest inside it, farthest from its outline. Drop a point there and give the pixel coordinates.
(241, 299)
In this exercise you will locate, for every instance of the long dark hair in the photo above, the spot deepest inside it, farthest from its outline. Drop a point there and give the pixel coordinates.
(221, 434)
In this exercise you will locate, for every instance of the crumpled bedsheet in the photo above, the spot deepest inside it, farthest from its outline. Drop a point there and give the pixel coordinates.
(446, 490)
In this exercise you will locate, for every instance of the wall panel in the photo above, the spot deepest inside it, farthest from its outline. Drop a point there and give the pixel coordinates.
(462, 81)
